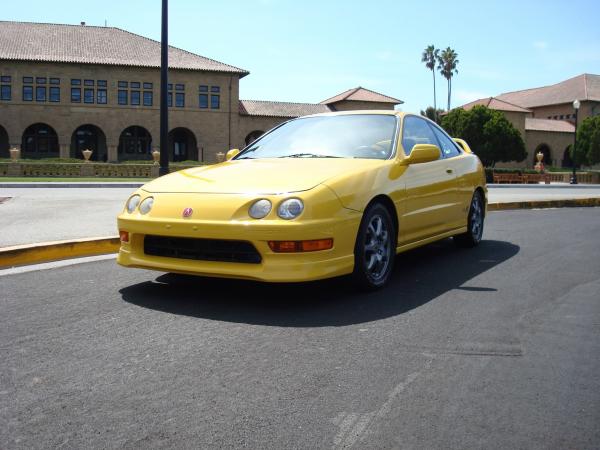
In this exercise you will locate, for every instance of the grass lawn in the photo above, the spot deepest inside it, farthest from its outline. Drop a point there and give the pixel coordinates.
(71, 179)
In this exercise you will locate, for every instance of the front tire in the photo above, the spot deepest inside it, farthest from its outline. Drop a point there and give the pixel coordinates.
(375, 249)
(474, 232)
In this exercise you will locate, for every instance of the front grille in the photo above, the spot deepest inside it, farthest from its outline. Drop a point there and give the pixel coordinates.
(201, 249)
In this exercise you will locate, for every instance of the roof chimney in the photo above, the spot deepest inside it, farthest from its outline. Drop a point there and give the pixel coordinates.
(83, 24)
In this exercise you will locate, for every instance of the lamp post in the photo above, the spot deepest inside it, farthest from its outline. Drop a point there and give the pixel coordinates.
(164, 109)
(576, 105)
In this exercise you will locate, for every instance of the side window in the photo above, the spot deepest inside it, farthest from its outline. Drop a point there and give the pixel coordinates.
(416, 131)
(447, 145)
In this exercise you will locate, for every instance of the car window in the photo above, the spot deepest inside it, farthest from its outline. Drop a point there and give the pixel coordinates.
(416, 131)
(447, 145)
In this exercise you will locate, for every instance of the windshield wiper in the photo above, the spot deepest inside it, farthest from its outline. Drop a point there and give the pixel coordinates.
(308, 155)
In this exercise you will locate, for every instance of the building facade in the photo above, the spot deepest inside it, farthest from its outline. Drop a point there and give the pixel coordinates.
(545, 117)
(66, 88)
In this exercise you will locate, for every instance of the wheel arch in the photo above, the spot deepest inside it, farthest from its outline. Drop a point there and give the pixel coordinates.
(389, 205)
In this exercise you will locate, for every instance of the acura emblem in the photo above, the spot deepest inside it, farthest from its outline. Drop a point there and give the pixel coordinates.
(187, 212)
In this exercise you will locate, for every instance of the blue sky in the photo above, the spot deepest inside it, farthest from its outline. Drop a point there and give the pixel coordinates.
(307, 51)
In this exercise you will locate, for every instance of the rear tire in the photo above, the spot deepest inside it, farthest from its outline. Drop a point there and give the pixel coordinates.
(474, 232)
(375, 249)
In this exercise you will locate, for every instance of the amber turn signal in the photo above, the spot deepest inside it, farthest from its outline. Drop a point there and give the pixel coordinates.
(300, 246)
(124, 235)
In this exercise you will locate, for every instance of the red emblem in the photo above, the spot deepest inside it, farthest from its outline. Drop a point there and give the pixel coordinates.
(187, 212)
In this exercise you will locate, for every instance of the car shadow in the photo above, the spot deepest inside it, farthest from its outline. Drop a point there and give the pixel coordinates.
(420, 276)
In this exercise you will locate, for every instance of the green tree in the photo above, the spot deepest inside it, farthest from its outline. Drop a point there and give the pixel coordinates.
(588, 142)
(433, 114)
(447, 62)
(489, 134)
(430, 57)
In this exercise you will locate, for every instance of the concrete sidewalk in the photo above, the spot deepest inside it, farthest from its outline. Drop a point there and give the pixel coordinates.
(33, 215)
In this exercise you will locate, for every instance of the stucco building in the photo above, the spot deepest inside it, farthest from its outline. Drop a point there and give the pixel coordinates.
(65, 88)
(545, 116)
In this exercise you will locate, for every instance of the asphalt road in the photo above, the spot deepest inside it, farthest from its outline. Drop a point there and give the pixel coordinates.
(494, 347)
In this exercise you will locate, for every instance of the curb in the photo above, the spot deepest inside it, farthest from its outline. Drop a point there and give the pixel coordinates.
(21, 255)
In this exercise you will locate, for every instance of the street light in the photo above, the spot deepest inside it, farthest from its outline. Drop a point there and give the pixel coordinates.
(164, 109)
(576, 105)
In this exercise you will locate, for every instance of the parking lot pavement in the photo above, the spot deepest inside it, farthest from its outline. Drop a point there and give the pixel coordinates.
(33, 215)
(492, 347)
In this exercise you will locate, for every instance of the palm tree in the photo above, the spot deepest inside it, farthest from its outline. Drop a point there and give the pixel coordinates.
(430, 57)
(447, 63)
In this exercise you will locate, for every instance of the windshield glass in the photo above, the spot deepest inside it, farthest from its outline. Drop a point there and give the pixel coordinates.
(369, 136)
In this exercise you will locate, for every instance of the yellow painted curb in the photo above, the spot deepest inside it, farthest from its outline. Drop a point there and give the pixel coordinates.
(565, 203)
(20, 255)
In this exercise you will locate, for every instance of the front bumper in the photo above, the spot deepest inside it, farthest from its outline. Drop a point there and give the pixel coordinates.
(274, 267)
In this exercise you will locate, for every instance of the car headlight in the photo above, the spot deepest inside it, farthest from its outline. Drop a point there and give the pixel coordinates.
(132, 203)
(290, 208)
(146, 205)
(260, 209)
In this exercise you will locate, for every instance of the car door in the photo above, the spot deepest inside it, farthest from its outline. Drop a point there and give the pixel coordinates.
(430, 188)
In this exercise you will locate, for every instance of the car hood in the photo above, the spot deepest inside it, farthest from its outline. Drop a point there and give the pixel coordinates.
(259, 176)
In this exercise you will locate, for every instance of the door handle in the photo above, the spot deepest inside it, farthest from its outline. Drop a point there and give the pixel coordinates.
(449, 170)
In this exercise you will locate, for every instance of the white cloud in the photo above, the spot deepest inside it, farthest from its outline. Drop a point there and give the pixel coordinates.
(462, 96)
(541, 45)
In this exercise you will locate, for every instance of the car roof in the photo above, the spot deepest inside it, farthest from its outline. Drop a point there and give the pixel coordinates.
(386, 112)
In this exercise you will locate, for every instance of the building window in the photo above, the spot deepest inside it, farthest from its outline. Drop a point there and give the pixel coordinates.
(75, 82)
(88, 82)
(147, 98)
(27, 80)
(54, 80)
(40, 93)
(179, 99)
(122, 95)
(180, 87)
(135, 84)
(203, 101)
(215, 89)
(88, 96)
(215, 101)
(40, 80)
(5, 92)
(562, 117)
(170, 99)
(101, 83)
(27, 93)
(147, 85)
(5, 79)
(203, 88)
(75, 95)
(54, 94)
(170, 87)
(123, 84)
(101, 97)
(135, 97)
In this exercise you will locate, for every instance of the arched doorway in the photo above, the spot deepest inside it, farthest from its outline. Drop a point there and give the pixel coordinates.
(39, 141)
(135, 143)
(4, 153)
(567, 161)
(545, 149)
(89, 137)
(254, 135)
(182, 145)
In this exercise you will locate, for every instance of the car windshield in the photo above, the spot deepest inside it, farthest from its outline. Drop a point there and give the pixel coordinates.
(369, 136)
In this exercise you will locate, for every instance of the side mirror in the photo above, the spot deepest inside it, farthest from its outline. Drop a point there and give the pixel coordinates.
(422, 153)
(231, 153)
(463, 144)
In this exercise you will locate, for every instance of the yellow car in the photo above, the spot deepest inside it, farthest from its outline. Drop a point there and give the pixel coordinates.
(316, 197)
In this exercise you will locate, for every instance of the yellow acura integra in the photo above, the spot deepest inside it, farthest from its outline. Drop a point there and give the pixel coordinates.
(316, 197)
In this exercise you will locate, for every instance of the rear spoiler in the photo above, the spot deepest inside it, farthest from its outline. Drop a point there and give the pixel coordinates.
(463, 144)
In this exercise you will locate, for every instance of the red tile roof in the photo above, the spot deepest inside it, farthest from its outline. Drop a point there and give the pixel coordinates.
(85, 44)
(494, 103)
(582, 87)
(362, 94)
(280, 109)
(558, 126)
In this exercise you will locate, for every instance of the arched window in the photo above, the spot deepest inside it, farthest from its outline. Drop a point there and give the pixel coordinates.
(182, 145)
(4, 153)
(39, 141)
(89, 137)
(135, 143)
(254, 135)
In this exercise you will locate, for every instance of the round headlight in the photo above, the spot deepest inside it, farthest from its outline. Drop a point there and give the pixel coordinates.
(132, 203)
(146, 205)
(260, 209)
(290, 208)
